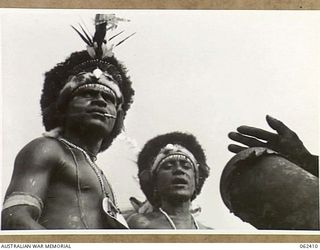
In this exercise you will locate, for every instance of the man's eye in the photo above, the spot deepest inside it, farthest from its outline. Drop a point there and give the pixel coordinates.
(108, 98)
(167, 166)
(186, 166)
(86, 93)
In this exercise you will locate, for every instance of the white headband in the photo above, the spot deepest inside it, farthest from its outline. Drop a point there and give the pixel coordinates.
(104, 80)
(174, 151)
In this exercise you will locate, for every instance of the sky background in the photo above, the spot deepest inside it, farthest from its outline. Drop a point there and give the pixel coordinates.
(203, 72)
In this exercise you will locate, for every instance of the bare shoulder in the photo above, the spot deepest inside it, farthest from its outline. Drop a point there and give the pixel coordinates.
(35, 164)
(139, 221)
(40, 151)
(44, 143)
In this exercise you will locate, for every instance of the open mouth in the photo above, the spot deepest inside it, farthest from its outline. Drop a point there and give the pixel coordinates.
(178, 181)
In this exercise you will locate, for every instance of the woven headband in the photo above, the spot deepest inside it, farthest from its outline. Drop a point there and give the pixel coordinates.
(175, 152)
(97, 80)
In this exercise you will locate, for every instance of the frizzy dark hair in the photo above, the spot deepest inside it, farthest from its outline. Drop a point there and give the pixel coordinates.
(57, 77)
(152, 148)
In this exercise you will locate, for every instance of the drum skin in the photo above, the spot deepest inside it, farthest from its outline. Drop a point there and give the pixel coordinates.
(266, 190)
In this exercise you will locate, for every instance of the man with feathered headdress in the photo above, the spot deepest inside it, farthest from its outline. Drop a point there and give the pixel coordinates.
(172, 171)
(56, 183)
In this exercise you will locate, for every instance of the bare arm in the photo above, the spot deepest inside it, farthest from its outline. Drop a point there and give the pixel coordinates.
(28, 187)
(285, 142)
(20, 218)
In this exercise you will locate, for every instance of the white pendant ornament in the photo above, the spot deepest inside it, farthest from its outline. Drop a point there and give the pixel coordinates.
(111, 211)
(97, 72)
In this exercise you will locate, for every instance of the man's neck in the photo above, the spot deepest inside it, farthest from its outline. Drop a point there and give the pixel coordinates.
(176, 208)
(89, 142)
(179, 214)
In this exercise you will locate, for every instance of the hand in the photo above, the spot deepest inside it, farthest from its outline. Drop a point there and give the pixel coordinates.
(285, 141)
(141, 207)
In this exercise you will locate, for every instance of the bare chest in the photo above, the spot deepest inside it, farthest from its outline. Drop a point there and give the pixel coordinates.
(78, 173)
(75, 194)
(161, 221)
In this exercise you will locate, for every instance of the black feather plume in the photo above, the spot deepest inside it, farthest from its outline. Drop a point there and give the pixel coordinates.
(99, 35)
(87, 36)
(89, 42)
(124, 39)
(97, 44)
(115, 35)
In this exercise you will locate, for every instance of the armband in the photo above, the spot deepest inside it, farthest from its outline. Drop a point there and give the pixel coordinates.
(21, 198)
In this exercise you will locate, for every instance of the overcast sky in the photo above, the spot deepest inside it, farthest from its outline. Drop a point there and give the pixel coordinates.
(203, 72)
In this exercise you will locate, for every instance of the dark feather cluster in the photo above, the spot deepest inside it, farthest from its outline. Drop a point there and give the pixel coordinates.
(99, 37)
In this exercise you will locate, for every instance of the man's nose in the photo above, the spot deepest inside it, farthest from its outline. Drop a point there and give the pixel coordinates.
(178, 169)
(99, 100)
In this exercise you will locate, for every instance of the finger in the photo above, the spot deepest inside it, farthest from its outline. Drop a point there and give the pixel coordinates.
(257, 132)
(146, 208)
(135, 203)
(277, 125)
(246, 140)
(235, 148)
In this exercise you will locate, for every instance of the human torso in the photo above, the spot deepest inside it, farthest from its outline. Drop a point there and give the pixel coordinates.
(74, 197)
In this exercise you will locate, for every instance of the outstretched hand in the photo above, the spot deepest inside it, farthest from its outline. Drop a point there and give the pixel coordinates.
(284, 141)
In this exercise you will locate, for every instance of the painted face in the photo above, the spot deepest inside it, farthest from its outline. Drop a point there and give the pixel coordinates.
(175, 179)
(92, 106)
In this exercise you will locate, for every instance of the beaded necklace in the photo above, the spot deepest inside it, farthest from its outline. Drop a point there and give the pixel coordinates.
(172, 223)
(96, 170)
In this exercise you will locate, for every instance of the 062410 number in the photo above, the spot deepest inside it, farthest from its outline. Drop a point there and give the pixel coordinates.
(308, 245)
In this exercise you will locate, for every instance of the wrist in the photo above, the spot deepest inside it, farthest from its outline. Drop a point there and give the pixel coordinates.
(301, 155)
(312, 165)
(309, 162)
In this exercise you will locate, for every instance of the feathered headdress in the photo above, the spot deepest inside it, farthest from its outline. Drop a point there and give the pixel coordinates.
(98, 46)
(99, 56)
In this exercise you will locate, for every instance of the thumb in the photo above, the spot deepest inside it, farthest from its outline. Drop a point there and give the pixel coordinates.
(277, 125)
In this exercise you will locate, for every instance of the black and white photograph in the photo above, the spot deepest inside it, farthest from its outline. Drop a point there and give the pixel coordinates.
(200, 121)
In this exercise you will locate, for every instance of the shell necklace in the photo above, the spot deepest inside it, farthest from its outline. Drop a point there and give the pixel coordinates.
(172, 223)
(95, 169)
(109, 207)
